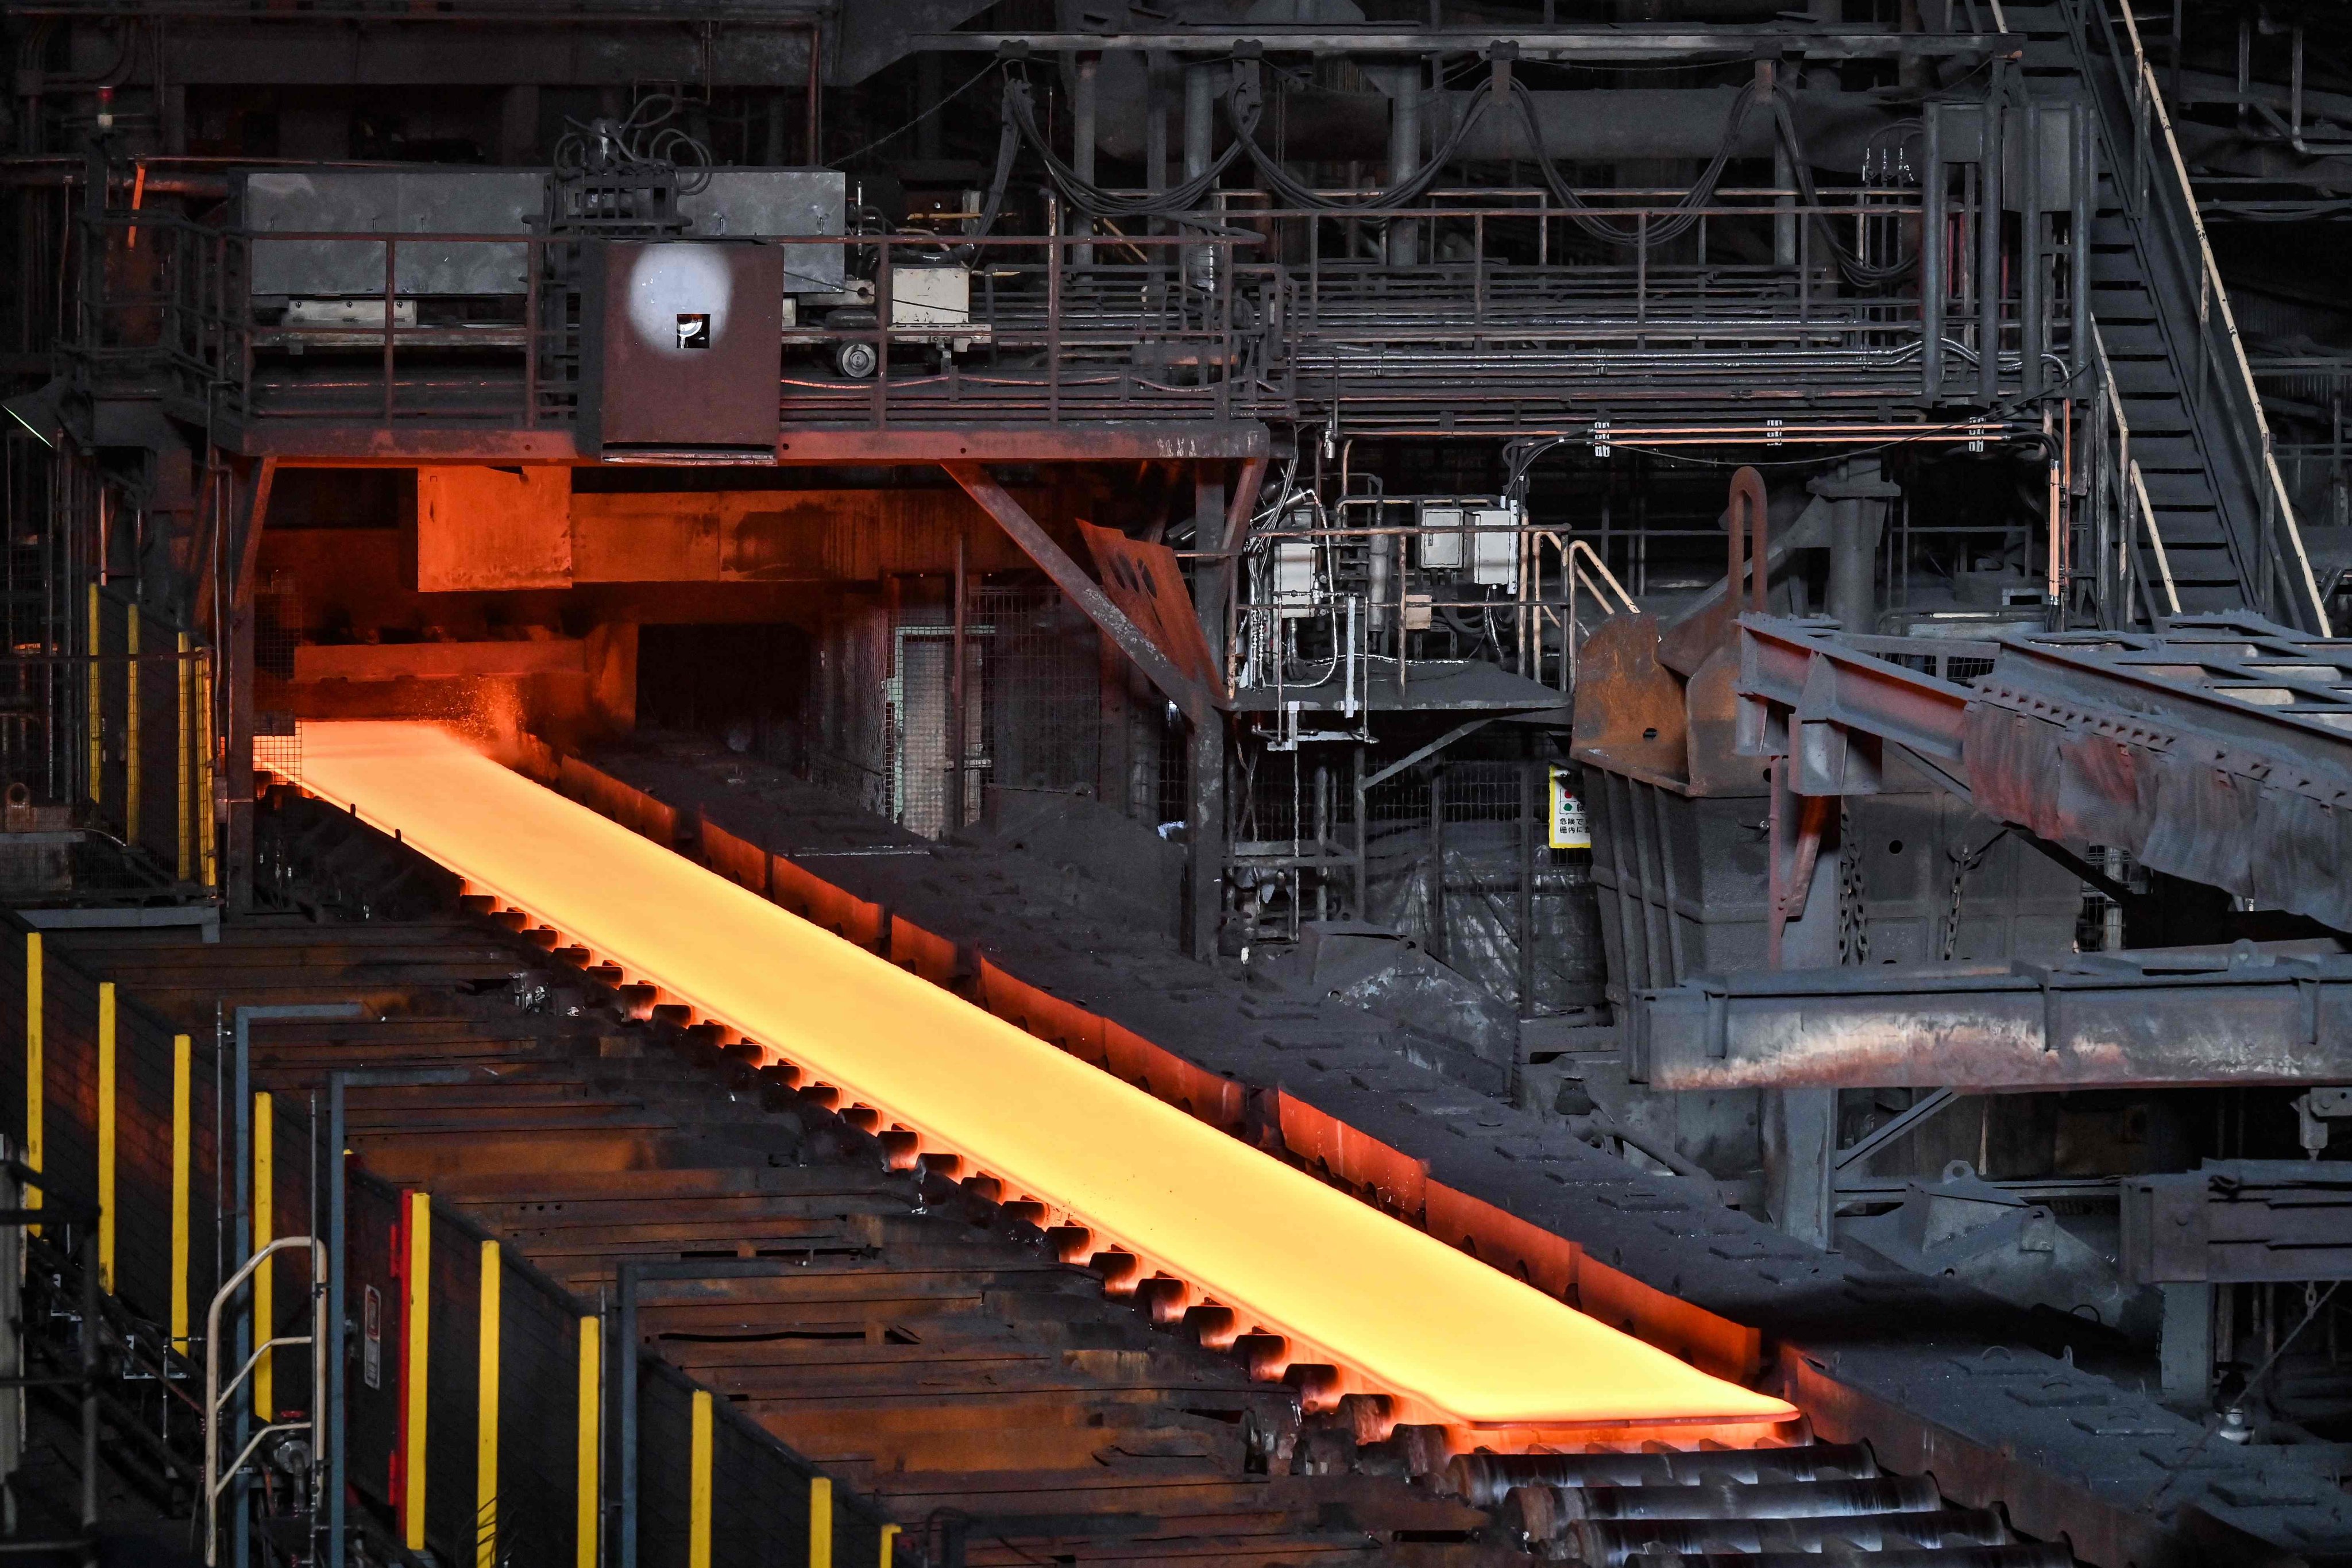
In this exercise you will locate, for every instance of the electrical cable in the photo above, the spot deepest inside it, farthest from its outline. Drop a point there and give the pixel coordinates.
(1849, 262)
(1020, 111)
(1242, 110)
(641, 141)
(1591, 219)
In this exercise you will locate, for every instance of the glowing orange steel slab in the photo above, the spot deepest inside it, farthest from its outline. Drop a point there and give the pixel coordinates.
(1407, 1314)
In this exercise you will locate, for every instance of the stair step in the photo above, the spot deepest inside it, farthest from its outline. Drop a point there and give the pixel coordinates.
(2126, 302)
(2143, 385)
(2155, 417)
(2118, 265)
(2190, 533)
(2133, 341)
(2177, 453)
(2169, 492)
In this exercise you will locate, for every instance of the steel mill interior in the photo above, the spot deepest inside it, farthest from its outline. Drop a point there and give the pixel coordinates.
(1240, 783)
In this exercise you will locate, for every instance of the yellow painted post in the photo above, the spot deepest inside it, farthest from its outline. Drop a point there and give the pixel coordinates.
(697, 1485)
(591, 1439)
(486, 1419)
(183, 700)
(820, 1522)
(130, 802)
(106, 1134)
(889, 1545)
(97, 684)
(206, 854)
(35, 1065)
(182, 1118)
(264, 1279)
(420, 1292)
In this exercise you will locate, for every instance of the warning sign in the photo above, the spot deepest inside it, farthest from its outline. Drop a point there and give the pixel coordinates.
(1568, 828)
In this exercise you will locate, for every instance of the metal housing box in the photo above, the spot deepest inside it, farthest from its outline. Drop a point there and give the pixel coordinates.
(1294, 577)
(681, 344)
(1439, 542)
(930, 297)
(1495, 547)
(422, 201)
(777, 203)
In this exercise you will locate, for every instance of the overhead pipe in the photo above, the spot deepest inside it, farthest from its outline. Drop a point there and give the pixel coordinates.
(1585, 125)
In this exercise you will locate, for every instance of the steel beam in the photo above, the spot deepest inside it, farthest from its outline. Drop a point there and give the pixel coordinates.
(334, 442)
(1197, 702)
(1623, 42)
(236, 689)
(2219, 750)
(2157, 1017)
(1804, 693)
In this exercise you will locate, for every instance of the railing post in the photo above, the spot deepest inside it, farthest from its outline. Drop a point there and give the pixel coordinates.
(391, 268)
(1989, 213)
(885, 296)
(1931, 255)
(1054, 328)
(94, 684)
(132, 795)
(535, 264)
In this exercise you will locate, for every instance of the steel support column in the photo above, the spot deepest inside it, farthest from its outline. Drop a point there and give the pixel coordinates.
(245, 549)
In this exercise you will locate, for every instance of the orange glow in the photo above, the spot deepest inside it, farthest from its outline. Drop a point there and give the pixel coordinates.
(1398, 1311)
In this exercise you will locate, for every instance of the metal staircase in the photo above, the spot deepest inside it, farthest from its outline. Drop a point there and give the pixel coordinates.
(2209, 520)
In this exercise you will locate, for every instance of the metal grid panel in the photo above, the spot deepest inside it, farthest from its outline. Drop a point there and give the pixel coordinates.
(1046, 696)
(1033, 704)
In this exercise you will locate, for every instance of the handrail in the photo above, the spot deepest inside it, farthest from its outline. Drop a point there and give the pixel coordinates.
(2130, 466)
(216, 1482)
(1577, 548)
(1580, 564)
(2148, 111)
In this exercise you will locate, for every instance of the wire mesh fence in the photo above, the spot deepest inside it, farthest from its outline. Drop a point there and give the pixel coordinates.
(1032, 705)
(1455, 852)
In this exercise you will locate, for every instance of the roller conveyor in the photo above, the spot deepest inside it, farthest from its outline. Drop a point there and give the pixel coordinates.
(1346, 1284)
